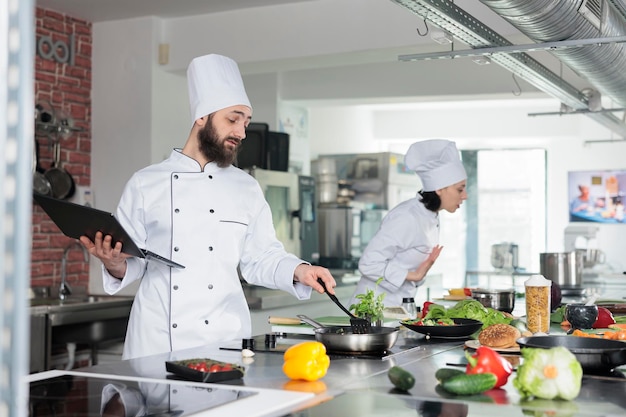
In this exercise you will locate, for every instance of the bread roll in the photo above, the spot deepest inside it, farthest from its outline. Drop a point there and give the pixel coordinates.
(499, 336)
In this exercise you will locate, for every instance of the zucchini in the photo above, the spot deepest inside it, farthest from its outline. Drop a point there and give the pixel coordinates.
(401, 378)
(443, 374)
(470, 384)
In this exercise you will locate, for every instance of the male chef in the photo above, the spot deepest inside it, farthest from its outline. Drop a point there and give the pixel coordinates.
(200, 211)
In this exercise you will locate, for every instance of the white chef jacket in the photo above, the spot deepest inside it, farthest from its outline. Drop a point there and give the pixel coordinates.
(211, 221)
(407, 234)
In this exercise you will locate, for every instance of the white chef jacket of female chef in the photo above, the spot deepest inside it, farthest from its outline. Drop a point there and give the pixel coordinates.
(406, 236)
(211, 221)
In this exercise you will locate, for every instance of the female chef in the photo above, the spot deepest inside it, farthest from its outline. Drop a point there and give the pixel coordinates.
(407, 243)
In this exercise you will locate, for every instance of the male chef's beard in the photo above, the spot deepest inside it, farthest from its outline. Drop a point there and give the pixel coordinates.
(215, 149)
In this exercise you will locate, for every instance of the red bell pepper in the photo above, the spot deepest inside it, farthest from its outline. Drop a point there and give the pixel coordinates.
(425, 307)
(605, 318)
(487, 360)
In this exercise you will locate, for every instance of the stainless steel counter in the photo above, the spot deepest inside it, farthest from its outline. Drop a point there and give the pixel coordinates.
(360, 386)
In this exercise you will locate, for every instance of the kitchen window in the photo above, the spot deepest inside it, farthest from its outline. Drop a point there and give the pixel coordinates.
(506, 203)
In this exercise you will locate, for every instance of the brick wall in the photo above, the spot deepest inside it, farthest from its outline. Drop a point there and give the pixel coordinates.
(68, 88)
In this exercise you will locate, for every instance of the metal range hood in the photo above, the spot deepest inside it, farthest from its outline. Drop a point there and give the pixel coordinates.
(544, 21)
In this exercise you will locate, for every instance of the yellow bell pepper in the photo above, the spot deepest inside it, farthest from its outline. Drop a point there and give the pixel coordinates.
(306, 360)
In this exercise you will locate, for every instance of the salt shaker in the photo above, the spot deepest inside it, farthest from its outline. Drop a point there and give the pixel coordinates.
(409, 306)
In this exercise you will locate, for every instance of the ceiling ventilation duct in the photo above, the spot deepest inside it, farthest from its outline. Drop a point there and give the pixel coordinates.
(549, 20)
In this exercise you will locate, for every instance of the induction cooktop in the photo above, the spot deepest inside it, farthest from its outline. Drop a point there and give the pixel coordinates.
(78, 395)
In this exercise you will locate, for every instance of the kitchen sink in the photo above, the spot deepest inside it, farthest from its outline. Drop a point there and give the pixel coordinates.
(90, 333)
(82, 319)
(73, 300)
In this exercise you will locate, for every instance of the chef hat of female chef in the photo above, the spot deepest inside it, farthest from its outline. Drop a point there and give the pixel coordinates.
(214, 83)
(436, 162)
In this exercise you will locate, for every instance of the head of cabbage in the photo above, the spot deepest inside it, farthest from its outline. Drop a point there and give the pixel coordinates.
(550, 374)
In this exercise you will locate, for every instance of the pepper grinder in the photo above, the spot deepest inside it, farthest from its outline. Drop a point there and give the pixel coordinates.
(409, 305)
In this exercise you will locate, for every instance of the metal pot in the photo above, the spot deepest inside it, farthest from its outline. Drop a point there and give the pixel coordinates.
(61, 181)
(340, 339)
(503, 300)
(41, 184)
(564, 268)
(592, 257)
(595, 355)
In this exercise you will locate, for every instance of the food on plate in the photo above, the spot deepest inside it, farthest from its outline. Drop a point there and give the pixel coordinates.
(499, 336)
(468, 309)
(431, 322)
(486, 360)
(306, 360)
(553, 373)
(401, 378)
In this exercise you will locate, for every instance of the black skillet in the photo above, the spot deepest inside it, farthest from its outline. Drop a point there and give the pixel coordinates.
(597, 356)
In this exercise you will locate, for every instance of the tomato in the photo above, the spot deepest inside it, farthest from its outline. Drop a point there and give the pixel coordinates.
(215, 368)
(467, 292)
(201, 367)
(227, 367)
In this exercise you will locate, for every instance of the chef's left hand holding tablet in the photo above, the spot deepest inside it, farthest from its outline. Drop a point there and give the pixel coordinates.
(112, 257)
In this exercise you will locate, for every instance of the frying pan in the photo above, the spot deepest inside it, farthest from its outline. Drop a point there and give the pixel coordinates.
(340, 339)
(60, 180)
(41, 185)
(595, 355)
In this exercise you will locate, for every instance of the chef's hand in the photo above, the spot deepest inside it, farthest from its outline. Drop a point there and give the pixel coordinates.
(421, 271)
(308, 274)
(112, 257)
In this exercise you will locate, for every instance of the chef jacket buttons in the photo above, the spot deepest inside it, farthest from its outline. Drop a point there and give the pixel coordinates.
(175, 176)
(175, 287)
(211, 211)
(210, 248)
(176, 249)
(210, 176)
(206, 322)
(176, 210)
(210, 286)
(174, 325)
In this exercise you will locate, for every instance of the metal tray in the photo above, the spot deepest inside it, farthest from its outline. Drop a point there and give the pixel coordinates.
(182, 370)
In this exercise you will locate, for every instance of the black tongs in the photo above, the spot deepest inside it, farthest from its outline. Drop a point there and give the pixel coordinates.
(359, 325)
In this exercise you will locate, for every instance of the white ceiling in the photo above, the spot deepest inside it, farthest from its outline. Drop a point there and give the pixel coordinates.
(104, 10)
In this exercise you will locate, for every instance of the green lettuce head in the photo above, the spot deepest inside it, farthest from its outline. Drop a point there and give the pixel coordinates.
(550, 374)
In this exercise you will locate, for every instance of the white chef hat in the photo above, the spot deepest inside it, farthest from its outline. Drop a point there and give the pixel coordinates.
(214, 83)
(436, 162)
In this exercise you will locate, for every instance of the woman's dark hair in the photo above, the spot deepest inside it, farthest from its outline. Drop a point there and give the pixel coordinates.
(431, 200)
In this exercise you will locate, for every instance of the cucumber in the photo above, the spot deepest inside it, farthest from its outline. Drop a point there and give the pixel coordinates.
(443, 374)
(401, 378)
(469, 384)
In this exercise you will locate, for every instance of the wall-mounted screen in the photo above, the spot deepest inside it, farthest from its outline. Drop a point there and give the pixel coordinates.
(597, 196)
